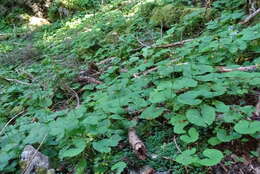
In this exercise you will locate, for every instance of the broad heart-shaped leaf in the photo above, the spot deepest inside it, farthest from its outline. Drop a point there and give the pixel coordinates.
(208, 113)
(213, 157)
(179, 122)
(214, 141)
(189, 98)
(247, 127)
(224, 137)
(79, 146)
(203, 118)
(184, 83)
(192, 136)
(160, 96)
(104, 146)
(187, 157)
(194, 117)
(119, 166)
(151, 112)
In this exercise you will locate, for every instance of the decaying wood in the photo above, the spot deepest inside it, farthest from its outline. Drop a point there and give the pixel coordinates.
(147, 170)
(245, 68)
(250, 17)
(87, 79)
(137, 145)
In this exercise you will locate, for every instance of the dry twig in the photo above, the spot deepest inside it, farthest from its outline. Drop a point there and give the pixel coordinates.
(18, 81)
(76, 95)
(10, 122)
(177, 146)
(176, 44)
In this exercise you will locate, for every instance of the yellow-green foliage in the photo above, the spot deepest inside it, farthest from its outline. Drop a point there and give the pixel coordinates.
(169, 14)
(146, 9)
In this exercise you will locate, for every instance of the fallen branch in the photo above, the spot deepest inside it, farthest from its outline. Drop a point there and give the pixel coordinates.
(137, 145)
(143, 73)
(219, 68)
(175, 44)
(180, 43)
(245, 68)
(250, 17)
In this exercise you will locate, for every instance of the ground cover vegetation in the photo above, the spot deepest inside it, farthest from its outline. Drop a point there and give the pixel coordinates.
(183, 74)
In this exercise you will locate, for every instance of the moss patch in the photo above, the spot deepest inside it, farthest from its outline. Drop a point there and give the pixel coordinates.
(170, 14)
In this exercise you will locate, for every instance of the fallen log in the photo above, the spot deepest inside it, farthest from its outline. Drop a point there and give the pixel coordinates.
(137, 145)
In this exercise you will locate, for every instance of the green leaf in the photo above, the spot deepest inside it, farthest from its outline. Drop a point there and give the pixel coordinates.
(184, 83)
(81, 167)
(221, 107)
(194, 117)
(192, 136)
(213, 157)
(214, 141)
(151, 112)
(247, 127)
(189, 98)
(187, 157)
(179, 122)
(206, 117)
(119, 166)
(104, 146)
(157, 97)
(224, 137)
(79, 146)
(208, 114)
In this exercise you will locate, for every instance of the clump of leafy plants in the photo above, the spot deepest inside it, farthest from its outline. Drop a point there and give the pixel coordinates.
(185, 99)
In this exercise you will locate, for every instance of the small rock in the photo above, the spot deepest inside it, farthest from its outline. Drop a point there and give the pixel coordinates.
(33, 161)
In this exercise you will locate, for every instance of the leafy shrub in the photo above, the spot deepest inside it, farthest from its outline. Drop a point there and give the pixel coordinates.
(186, 95)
